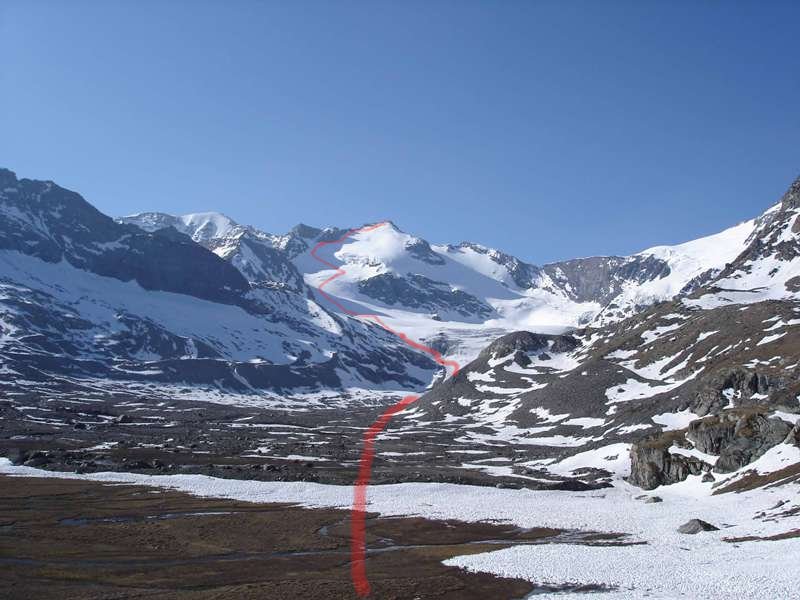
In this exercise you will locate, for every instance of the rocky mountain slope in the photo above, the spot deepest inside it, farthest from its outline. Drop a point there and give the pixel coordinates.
(703, 385)
(93, 306)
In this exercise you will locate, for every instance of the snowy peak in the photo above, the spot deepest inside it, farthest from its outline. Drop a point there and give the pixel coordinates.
(385, 267)
(446, 290)
(203, 228)
(768, 268)
(210, 225)
(660, 273)
(259, 256)
(46, 221)
(791, 199)
(691, 259)
(495, 264)
(152, 221)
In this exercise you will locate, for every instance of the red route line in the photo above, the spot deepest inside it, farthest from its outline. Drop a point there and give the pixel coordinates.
(358, 528)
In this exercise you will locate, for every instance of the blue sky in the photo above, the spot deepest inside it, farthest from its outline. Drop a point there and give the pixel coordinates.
(547, 129)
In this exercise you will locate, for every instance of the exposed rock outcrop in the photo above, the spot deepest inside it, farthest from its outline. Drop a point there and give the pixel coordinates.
(652, 464)
(737, 438)
(420, 292)
(528, 342)
(738, 386)
(44, 220)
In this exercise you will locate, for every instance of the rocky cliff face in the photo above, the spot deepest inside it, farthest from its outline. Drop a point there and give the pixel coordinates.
(419, 292)
(768, 266)
(721, 444)
(653, 465)
(737, 437)
(261, 258)
(603, 278)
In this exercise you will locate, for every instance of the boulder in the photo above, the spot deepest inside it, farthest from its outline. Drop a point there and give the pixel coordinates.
(793, 437)
(694, 526)
(37, 459)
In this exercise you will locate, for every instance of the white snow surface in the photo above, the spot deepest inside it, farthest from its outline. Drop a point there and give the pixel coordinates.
(237, 335)
(385, 250)
(201, 227)
(676, 420)
(478, 271)
(686, 261)
(539, 305)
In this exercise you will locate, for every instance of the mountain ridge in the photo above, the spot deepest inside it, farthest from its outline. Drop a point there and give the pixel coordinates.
(441, 293)
(616, 346)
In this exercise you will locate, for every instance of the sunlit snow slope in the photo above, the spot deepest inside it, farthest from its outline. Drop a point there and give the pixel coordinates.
(458, 298)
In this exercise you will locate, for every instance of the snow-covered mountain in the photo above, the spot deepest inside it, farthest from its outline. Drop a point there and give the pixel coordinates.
(701, 385)
(676, 363)
(458, 298)
(455, 298)
(193, 345)
(260, 257)
(663, 272)
(45, 221)
(88, 302)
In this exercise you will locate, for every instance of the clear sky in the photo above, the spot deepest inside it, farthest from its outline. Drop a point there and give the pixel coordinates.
(547, 129)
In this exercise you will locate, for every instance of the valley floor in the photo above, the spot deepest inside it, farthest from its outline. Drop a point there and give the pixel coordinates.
(86, 541)
(753, 554)
(108, 432)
